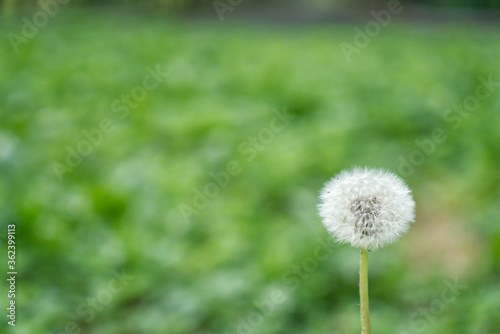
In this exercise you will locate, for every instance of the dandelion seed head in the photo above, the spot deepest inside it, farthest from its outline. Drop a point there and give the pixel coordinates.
(367, 208)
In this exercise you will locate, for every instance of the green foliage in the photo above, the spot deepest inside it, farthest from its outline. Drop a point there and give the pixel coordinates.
(119, 209)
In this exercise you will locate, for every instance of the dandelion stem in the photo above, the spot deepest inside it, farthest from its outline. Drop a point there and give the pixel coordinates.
(363, 292)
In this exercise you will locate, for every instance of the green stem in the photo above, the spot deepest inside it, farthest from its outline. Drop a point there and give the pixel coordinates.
(363, 292)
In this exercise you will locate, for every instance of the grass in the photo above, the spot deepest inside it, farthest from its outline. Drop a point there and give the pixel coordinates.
(252, 248)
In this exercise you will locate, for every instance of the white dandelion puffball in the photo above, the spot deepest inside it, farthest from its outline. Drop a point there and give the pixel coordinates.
(368, 208)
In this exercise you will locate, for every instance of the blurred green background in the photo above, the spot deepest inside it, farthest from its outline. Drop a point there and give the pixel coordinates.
(247, 259)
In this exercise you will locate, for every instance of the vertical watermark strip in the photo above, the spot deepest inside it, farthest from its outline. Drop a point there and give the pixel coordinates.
(11, 273)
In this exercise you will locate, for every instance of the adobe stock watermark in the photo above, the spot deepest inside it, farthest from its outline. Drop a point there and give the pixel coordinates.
(420, 319)
(30, 28)
(121, 108)
(454, 117)
(248, 149)
(372, 29)
(88, 309)
(291, 279)
(223, 6)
